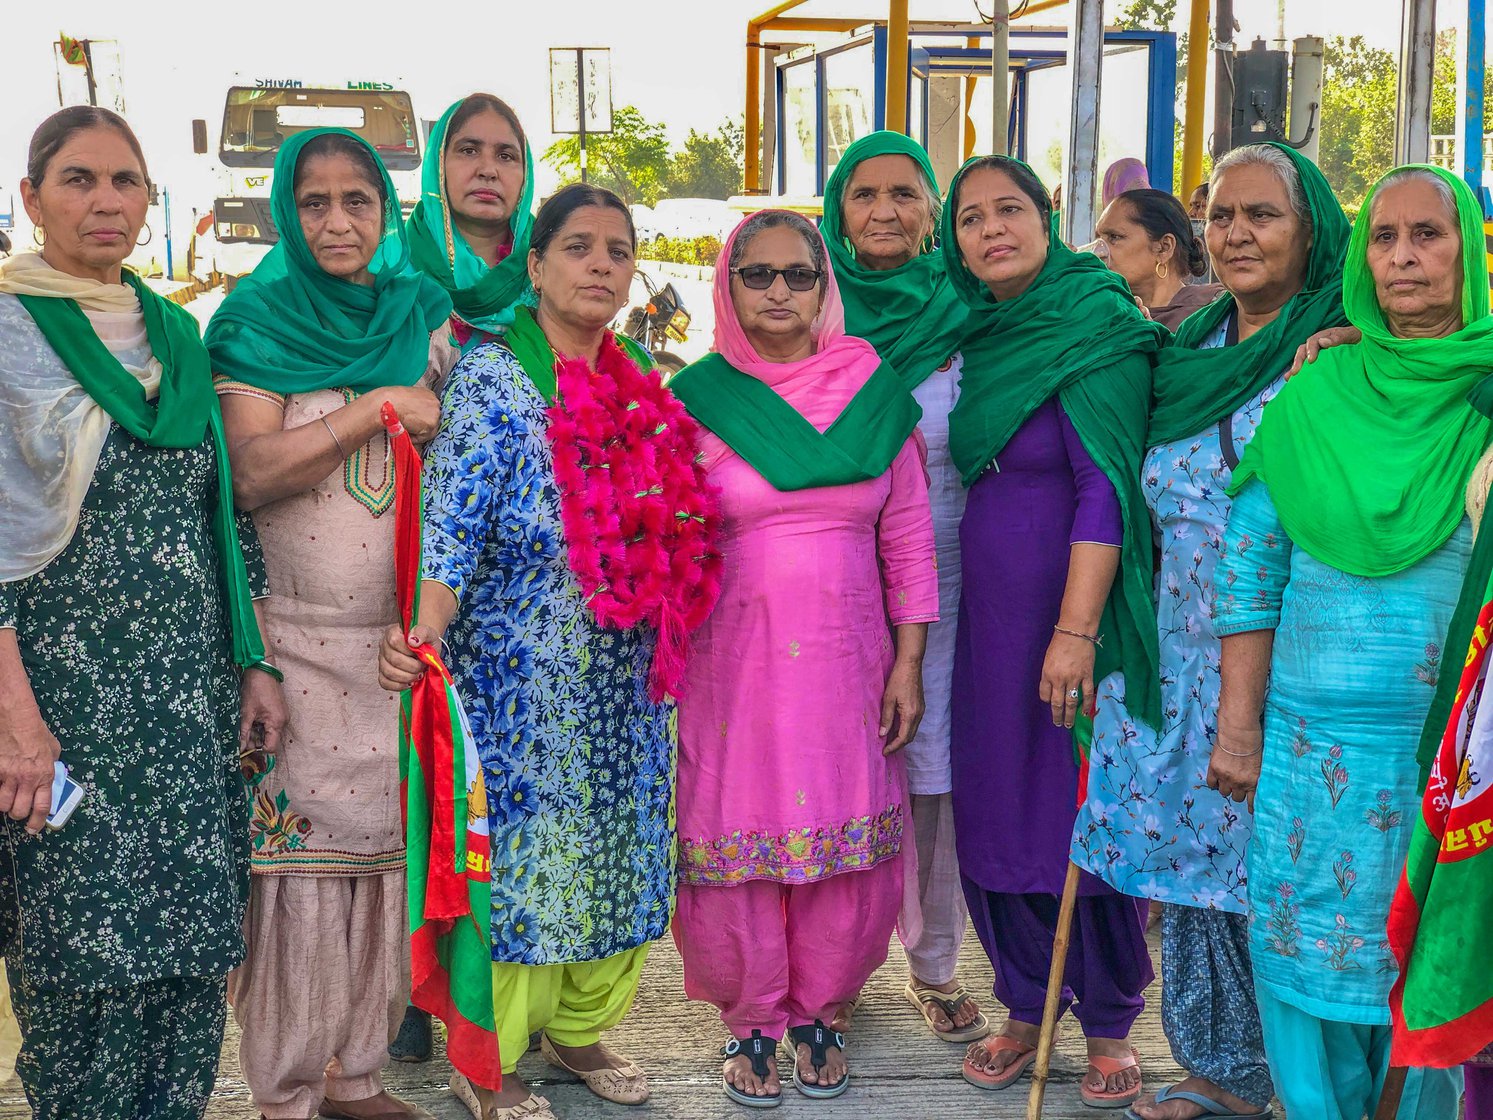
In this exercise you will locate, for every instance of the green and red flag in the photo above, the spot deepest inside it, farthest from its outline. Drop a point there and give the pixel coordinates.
(1442, 1002)
(445, 819)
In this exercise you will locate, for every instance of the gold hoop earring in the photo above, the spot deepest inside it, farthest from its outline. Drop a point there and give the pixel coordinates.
(1161, 270)
(38, 237)
(149, 233)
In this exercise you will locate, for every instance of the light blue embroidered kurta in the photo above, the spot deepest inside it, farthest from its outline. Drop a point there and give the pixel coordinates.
(1150, 825)
(1352, 673)
(579, 762)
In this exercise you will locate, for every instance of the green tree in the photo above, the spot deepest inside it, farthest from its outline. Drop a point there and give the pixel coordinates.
(1444, 84)
(710, 164)
(632, 159)
(1358, 117)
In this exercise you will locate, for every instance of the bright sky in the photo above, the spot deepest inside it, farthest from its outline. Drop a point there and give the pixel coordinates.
(679, 61)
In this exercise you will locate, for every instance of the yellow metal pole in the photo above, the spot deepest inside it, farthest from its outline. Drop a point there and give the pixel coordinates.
(896, 66)
(752, 163)
(969, 103)
(1197, 83)
(1040, 6)
(752, 140)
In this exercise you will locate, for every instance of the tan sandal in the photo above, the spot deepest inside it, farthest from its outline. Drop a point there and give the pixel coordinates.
(530, 1108)
(925, 998)
(625, 1085)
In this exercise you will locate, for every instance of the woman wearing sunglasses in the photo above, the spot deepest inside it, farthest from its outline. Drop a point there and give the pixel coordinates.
(807, 680)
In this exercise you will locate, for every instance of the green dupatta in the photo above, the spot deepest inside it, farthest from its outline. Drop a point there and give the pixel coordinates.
(1194, 388)
(784, 448)
(910, 314)
(526, 339)
(484, 297)
(185, 410)
(292, 327)
(1367, 451)
(1076, 334)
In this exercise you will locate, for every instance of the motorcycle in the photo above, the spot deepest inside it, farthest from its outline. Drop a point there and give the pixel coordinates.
(655, 324)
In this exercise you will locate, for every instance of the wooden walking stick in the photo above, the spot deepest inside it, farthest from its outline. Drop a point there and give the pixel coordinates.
(1389, 1098)
(1054, 994)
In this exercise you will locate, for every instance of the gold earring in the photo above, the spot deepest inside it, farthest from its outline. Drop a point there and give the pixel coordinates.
(149, 233)
(1161, 270)
(38, 236)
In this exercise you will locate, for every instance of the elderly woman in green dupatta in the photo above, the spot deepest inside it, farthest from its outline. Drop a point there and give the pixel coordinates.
(1150, 826)
(332, 324)
(126, 638)
(1056, 558)
(880, 214)
(470, 230)
(1345, 550)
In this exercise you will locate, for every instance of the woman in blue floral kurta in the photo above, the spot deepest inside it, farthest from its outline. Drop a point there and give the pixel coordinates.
(579, 760)
(1343, 558)
(1150, 826)
(567, 554)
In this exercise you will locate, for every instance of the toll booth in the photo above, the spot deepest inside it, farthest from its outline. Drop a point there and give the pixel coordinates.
(818, 99)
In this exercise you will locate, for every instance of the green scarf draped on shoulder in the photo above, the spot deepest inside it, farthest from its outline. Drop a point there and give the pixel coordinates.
(1076, 334)
(784, 448)
(487, 297)
(1194, 389)
(1367, 451)
(185, 410)
(910, 314)
(526, 339)
(292, 327)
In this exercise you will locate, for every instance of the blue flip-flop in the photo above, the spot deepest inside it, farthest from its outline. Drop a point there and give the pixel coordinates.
(1211, 1108)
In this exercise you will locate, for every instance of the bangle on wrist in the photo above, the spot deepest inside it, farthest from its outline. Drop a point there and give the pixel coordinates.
(331, 431)
(266, 667)
(1093, 638)
(1241, 754)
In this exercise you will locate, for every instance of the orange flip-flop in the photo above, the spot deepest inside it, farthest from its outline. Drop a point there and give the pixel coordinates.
(1107, 1068)
(1001, 1044)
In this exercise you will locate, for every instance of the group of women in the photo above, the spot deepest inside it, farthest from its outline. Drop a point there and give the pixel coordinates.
(822, 640)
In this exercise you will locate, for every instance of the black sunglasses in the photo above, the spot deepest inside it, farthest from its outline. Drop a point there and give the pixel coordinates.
(759, 277)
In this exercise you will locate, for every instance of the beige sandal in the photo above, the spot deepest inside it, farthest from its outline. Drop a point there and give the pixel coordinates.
(531, 1108)
(627, 1085)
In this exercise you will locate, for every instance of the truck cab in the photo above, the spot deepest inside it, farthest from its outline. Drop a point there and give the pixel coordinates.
(257, 119)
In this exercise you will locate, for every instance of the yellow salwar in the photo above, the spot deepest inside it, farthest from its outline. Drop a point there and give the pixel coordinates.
(571, 1003)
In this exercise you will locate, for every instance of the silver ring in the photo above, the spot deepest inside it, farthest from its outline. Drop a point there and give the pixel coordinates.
(1074, 693)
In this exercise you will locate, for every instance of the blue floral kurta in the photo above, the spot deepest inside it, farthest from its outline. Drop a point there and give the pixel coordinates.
(579, 761)
(1151, 826)
(1352, 673)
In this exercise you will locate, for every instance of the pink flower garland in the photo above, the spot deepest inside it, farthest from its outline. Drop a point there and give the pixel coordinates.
(640, 519)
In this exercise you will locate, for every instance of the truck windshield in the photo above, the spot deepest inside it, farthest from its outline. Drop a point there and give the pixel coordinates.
(257, 121)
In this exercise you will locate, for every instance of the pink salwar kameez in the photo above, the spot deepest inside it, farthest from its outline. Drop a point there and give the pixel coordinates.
(791, 821)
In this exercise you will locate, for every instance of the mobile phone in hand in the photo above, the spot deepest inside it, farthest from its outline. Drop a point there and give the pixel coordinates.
(67, 795)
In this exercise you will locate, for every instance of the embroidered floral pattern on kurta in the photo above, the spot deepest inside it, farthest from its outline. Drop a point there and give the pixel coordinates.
(579, 761)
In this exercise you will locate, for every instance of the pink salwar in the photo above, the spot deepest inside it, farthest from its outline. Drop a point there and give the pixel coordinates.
(772, 956)
(323, 988)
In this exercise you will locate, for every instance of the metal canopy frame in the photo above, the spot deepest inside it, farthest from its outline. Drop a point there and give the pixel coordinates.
(931, 60)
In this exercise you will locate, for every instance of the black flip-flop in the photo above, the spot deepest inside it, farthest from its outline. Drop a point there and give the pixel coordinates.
(818, 1039)
(757, 1049)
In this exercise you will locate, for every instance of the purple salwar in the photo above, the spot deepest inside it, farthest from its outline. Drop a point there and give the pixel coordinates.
(1015, 776)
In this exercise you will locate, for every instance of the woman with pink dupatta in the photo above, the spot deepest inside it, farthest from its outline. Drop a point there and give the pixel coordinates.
(806, 681)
